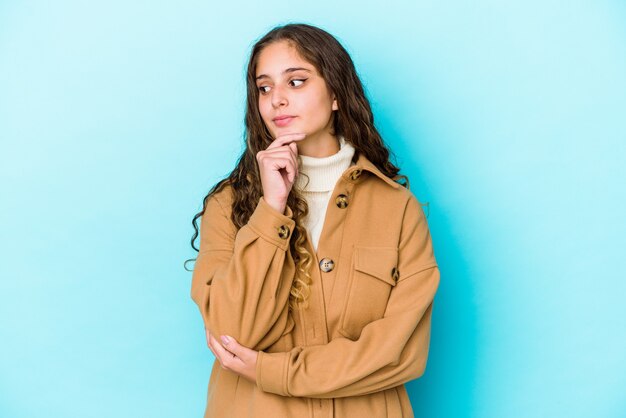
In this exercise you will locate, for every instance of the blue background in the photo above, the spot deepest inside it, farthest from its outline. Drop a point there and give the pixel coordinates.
(509, 118)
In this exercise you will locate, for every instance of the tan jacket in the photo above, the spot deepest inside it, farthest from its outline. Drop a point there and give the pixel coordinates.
(367, 329)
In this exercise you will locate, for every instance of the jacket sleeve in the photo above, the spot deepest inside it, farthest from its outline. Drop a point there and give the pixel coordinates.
(242, 279)
(389, 352)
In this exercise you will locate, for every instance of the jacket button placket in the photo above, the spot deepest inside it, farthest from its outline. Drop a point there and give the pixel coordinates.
(329, 245)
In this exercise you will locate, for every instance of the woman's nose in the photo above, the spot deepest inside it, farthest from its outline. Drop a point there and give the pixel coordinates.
(278, 97)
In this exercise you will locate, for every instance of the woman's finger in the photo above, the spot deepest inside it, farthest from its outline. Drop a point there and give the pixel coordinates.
(286, 162)
(220, 349)
(227, 358)
(216, 354)
(287, 165)
(282, 152)
(284, 139)
(293, 148)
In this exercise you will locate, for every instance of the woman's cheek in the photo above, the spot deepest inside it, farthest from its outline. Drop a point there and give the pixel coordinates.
(267, 120)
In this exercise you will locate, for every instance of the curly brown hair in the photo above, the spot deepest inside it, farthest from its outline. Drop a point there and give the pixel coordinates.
(353, 120)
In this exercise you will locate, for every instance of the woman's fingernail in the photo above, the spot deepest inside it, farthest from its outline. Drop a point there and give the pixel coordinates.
(225, 339)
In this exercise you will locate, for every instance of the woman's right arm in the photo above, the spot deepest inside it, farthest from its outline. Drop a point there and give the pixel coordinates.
(242, 279)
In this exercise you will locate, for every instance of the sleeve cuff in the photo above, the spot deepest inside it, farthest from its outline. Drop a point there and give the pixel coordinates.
(272, 225)
(271, 372)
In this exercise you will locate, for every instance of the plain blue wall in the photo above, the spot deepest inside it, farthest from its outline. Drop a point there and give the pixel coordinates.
(509, 118)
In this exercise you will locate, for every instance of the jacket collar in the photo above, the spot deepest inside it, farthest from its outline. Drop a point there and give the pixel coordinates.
(354, 172)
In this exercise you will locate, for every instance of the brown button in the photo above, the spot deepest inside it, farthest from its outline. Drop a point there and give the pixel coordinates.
(283, 231)
(327, 265)
(342, 201)
(395, 273)
(355, 174)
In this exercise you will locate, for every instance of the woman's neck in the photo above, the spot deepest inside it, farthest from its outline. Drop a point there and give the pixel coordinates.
(318, 146)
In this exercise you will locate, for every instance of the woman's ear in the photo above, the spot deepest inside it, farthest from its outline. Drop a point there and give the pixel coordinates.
(335, 107)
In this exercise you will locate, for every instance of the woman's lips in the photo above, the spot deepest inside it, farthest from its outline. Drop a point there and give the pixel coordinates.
(283, 121)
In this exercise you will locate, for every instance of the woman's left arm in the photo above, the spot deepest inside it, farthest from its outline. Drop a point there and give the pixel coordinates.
(390, 351)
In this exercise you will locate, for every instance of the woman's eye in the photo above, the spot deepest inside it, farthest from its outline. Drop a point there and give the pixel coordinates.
(294, 82)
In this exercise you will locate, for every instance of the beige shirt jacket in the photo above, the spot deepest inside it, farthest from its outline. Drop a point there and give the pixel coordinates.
(367, 328)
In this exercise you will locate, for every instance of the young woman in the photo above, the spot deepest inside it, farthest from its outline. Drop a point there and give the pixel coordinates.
(315, 275)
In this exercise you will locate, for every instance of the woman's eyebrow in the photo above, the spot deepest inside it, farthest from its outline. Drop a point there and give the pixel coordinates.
(288, 70)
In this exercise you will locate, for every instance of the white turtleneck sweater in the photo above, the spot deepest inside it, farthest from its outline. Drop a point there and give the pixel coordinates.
(323, 174)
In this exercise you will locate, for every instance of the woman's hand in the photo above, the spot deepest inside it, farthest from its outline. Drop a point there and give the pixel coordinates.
(233, 356)
(278, 166)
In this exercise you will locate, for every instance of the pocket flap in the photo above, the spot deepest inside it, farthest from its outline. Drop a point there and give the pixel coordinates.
(377, 261)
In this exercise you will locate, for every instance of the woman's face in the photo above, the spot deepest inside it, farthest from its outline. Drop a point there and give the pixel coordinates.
(290, 86)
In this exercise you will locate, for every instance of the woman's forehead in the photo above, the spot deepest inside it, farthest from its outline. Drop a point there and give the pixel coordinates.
(279, 58)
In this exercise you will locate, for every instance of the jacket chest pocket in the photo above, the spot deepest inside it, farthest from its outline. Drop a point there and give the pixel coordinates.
(373, 275)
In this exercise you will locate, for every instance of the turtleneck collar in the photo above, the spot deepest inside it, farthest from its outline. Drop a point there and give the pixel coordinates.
(323, 172)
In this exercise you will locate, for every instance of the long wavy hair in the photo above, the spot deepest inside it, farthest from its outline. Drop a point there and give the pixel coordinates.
(353, 120)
